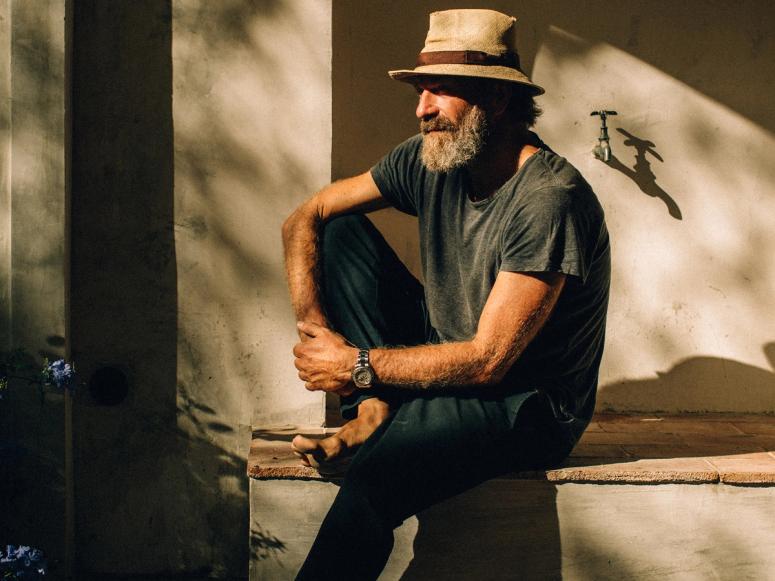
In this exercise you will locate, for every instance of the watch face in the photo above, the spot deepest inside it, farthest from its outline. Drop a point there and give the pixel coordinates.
(363, 376)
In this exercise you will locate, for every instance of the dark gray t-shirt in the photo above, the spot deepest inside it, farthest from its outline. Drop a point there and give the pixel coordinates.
(546, 218)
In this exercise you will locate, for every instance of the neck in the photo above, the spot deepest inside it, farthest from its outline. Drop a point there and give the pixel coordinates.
(500, 159)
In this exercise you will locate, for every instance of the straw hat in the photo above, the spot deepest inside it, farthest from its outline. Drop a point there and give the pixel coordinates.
(470, 43)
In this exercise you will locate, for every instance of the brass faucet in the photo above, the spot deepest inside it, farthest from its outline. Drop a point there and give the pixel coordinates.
(602, 150)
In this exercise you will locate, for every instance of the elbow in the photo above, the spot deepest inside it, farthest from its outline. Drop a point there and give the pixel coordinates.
(292, 225)
(493, 367)
(484, 375)
(288, 227)
(491, 375)
(306, 216)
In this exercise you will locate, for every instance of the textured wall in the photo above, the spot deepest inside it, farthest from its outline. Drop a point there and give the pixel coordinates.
(133, 467)
(689, 195)
(512, 529)
(32, 265)
(5, 174)
(198, 127)
(252, 140)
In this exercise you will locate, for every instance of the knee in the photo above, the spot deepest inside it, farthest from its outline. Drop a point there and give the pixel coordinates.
(343, 234)
(348, 253)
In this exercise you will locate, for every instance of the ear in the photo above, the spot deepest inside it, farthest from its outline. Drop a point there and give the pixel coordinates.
(500, 97)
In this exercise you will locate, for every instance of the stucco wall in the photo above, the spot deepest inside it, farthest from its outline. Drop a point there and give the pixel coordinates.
(5, 174)
(252, 85)
(32, 266)
(689, 198)
(534, 530)
(198, 127)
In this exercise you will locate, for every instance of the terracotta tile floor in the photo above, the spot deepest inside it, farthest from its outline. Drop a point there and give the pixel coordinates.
(616, 448)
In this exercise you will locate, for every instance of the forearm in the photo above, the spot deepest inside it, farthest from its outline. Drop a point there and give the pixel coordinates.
(448, 365)
(301, 241)
(518, 307)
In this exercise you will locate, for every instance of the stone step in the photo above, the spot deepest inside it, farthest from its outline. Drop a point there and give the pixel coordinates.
(626, 449)
(646, 497)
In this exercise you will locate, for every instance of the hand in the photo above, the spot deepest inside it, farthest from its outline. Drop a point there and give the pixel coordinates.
(324, 359)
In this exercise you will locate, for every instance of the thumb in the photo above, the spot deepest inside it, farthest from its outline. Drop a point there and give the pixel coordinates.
(309, 328)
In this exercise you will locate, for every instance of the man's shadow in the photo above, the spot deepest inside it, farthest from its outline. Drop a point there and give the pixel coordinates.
(702, 381)
(501, 530)
(641, 173)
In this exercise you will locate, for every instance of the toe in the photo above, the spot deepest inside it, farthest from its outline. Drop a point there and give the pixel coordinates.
(303, 458)
(303, 445)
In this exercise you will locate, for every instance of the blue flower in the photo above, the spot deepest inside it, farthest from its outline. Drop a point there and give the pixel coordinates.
(22, 562)
(60, 373)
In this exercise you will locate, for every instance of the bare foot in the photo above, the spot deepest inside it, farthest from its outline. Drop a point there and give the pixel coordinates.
(331, 454)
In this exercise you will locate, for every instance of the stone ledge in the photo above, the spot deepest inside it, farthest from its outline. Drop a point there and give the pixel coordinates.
(616, 448)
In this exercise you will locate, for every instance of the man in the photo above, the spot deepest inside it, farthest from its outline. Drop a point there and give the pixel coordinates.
(492, 366)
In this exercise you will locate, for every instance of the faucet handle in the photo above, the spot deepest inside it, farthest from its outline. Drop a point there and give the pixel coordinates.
(603, 113)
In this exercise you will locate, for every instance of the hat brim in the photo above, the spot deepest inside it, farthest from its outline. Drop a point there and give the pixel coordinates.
(464, 70)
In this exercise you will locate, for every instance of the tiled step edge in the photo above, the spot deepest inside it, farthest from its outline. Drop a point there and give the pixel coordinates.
(697, 451)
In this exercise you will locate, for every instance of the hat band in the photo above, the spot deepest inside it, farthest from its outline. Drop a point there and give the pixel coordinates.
(467, 57)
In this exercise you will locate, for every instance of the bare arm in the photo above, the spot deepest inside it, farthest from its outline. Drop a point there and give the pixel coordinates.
(301, 234)
(518, 306)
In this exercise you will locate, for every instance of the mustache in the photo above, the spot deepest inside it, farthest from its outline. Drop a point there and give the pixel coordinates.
(437, 124)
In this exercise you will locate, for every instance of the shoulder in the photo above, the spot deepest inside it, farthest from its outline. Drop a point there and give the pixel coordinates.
(410, 149)
(546, 169)
(553, 183)
(402, 161)
(400, 174)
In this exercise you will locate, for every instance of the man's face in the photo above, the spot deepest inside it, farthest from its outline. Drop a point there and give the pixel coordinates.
(453, 126)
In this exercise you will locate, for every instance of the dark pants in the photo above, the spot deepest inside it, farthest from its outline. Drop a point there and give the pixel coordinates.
(435, 444)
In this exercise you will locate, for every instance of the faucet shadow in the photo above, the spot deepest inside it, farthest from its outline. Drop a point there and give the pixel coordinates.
(641, 172)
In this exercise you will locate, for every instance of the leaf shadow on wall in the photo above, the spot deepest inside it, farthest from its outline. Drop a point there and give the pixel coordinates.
(642, 174)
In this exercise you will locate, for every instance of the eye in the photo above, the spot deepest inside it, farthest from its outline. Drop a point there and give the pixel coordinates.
(435, 89)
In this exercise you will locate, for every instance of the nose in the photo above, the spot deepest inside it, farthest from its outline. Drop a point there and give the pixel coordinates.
(426, 106)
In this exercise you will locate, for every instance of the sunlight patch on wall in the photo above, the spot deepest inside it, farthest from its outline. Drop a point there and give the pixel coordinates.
(252, 113)
(689, 202)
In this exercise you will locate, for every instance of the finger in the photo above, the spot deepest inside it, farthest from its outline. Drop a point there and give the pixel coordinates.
(298, 349)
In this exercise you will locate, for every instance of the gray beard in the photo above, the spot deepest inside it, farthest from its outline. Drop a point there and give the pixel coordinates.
(454, 146)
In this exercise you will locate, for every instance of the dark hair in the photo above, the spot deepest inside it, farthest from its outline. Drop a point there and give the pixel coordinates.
(522, 107)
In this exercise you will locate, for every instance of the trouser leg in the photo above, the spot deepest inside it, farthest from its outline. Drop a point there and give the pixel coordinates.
(433, 448)
(369, 296)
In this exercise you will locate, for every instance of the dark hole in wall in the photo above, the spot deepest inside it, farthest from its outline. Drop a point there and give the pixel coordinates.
(108, 386)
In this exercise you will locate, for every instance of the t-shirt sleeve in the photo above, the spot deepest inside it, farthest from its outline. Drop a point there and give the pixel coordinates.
(399, 174)
(551, 232)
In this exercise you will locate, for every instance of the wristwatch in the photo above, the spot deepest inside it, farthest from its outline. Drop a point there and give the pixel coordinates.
(363, 373)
